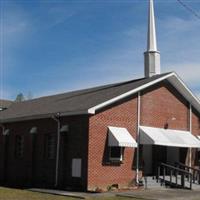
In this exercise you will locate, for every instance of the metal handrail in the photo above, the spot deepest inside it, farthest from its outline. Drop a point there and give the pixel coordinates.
(174, 171)
(195, 172)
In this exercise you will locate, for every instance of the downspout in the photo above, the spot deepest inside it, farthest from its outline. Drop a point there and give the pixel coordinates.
(138, 138)
(56, 118)
(190, 126)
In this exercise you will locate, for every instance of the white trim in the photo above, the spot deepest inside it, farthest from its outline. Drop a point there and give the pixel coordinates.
(188, 90)
(138, 136)
(127, 94)
(195, 102)
(185, 91)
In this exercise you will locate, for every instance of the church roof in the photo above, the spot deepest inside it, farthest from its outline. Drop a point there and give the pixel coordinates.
(5, 103)
(86, 101)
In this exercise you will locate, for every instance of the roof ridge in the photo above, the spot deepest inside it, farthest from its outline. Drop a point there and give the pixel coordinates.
(85, 90)
(103, 87)
(94, 89)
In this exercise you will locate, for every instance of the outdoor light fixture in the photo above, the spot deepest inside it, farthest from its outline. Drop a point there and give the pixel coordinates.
(6, 132)
(33, 130)
(64, 128)
(167, 122)
(173, 118)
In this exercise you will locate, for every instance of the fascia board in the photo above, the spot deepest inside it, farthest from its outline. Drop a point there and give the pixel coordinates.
(190, 96)
(188, 93)
(127, 94)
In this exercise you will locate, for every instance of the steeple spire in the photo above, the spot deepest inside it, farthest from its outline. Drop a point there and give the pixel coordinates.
(152, 55)
(151, 43)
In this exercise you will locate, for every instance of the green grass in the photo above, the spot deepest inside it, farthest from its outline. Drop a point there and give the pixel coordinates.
(17, 194)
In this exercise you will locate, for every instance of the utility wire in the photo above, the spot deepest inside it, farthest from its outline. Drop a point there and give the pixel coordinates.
(191, 10)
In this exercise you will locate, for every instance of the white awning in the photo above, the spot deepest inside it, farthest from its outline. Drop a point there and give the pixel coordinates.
(198, 136)
(168, 137)
(120, 137)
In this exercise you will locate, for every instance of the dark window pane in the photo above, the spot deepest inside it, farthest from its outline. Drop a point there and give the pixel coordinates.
(51, 147)
(115, 152)
(19, 146)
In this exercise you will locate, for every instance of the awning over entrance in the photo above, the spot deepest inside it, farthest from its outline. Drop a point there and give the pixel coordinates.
(168, 137)
(120, 137)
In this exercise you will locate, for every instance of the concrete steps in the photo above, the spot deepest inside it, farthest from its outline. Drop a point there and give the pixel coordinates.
(150, 182)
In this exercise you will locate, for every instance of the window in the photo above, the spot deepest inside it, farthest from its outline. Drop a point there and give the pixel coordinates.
(116, 153)
(51, 147)
(19, 146)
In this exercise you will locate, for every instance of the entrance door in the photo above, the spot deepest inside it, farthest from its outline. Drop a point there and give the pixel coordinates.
(159, 156)
(183, 155)
(147, 158)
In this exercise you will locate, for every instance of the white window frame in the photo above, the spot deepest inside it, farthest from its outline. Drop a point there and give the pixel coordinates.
(120, 159)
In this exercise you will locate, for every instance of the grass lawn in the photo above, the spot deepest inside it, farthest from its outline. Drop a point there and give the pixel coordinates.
(16, 194)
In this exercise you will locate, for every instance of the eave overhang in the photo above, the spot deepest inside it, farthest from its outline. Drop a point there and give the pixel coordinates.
(42, 116)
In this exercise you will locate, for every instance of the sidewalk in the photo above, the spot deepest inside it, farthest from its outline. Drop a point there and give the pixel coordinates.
(149, 194)
(163, 194)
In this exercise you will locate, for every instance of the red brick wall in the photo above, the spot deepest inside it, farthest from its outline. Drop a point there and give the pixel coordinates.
(195, 122)
(160, 104)
(19, 170)
(39, 171)
(101, 174)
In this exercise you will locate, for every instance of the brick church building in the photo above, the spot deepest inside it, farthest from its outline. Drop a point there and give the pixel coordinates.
(98, 137)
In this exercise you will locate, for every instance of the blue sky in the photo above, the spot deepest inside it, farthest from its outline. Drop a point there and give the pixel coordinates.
(50, 46)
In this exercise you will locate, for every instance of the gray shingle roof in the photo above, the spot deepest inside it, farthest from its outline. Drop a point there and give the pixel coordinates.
(5, 103)
(72, 102)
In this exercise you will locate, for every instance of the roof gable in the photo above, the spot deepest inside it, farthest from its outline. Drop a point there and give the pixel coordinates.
(172, 77)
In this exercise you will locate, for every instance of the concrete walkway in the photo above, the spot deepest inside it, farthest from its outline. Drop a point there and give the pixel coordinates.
(163, 194)
(148, 194)
(79, 195)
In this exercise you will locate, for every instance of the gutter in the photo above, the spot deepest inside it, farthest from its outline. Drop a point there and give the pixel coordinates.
(44, 116)
(56, 118)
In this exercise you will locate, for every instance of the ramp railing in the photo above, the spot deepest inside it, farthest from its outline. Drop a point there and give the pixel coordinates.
(195, 172)
(173, 176)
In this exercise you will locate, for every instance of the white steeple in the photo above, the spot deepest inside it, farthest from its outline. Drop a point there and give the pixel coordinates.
(152, 55)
